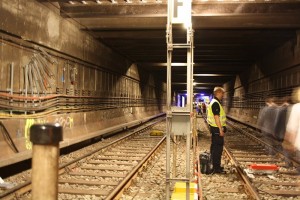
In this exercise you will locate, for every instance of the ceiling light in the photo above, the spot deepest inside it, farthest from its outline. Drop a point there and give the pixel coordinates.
(98, 1)
(71, 2)
(84, 2)
(213, 74)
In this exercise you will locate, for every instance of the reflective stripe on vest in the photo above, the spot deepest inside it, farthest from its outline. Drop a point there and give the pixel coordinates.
(210, 115)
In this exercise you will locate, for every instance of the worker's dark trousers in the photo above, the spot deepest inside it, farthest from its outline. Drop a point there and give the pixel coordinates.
(216, 147)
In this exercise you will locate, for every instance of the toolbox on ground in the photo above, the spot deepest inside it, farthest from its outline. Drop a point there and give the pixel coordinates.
(205, 162)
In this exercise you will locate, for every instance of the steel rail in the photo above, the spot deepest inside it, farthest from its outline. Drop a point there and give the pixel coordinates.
(64, 167)
(116, 192)
(262, 143)
(249, 187)
(253, 191)
(265, 144)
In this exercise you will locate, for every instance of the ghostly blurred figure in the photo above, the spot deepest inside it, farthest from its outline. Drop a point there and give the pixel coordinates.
(292, 135)
(266, 121)
(281, 119)
(267, 116)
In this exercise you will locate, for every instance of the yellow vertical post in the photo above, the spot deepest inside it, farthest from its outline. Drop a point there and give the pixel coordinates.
(45, 153)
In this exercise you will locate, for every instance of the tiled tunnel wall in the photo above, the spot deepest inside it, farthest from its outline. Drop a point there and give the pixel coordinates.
(275, 75)
(82, 65)
(92, 88)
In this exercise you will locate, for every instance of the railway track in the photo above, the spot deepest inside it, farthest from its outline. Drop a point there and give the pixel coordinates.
(243, 149)
(245, 146)
(103, 173)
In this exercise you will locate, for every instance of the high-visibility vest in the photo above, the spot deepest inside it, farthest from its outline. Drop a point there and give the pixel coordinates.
(210, 115)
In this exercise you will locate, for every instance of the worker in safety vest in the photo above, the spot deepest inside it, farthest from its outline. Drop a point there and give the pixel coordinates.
(216, 119)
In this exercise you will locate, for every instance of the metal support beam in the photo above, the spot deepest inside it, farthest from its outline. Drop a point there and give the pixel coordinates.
(180, 116)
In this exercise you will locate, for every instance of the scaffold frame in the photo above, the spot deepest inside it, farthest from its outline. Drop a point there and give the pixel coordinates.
(189, 46)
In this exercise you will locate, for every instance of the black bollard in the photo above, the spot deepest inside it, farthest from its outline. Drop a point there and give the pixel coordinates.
(45, 139)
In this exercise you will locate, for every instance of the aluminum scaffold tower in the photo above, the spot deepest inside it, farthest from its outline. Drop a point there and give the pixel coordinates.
(179, 120)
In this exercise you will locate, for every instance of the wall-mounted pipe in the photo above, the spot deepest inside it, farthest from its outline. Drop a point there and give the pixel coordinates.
(26, 86)
(11, 82)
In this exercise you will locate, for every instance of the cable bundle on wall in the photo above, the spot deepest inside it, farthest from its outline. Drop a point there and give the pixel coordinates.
(38, 76)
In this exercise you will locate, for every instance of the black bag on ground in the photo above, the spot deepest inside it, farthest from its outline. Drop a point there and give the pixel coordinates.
(205, 162)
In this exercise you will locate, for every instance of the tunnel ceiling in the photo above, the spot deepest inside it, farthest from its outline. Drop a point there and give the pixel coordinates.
(229, 34)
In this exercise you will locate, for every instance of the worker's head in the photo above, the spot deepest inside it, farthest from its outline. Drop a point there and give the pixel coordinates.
(219, 92)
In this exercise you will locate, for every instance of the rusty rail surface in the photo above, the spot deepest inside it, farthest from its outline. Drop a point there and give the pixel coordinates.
(261, 146)
(251, 146)
(25, 187)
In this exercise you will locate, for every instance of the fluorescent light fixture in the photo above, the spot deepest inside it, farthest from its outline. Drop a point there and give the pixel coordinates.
(178, 83)
(213, 74)
(98, 2)
(205, 83)
(84, 2)
(202, 88)
(71, 2)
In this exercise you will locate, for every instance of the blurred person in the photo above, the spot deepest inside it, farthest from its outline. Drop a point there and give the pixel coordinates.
(216, 119)
(280, 127)
(281, 119)
(292, 134)
(267, 116)
(203, 108)
(199, 108)
(266, 122)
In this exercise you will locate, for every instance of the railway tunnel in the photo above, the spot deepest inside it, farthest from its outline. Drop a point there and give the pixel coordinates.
(98, 67)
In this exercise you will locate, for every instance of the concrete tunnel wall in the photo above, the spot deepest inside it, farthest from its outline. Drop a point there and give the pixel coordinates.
(274, 75)
(101, 74)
